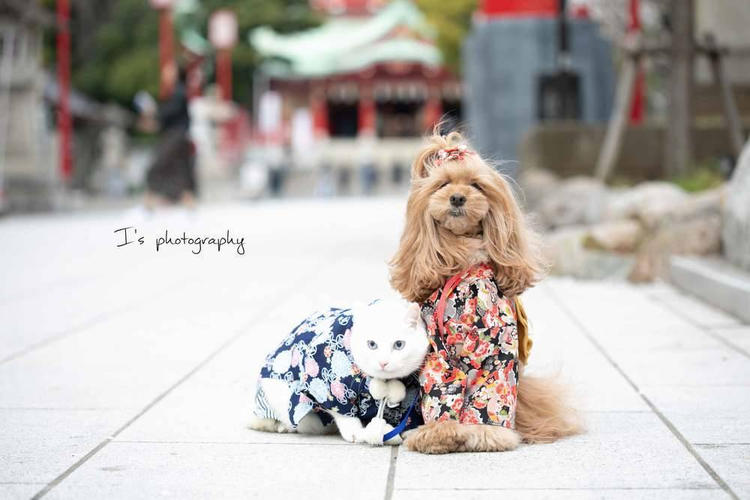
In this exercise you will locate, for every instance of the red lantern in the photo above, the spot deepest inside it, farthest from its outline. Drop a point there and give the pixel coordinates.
(222, 32)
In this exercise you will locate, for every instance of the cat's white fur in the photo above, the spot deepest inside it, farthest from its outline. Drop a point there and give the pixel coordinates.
(388, 342)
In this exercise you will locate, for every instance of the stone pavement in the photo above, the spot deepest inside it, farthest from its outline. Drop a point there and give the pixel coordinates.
(127, 373)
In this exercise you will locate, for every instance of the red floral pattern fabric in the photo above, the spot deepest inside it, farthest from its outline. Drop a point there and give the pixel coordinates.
(471, 372)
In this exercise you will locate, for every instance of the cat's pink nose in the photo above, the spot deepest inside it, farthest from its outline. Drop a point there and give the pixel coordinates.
(383, 364)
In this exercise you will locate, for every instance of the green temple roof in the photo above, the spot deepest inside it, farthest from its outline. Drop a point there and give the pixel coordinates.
(398, 33)
(187, 21)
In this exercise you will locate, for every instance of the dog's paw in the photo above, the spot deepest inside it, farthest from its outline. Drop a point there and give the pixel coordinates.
(451, 436)
(436, 438)
(490, 438)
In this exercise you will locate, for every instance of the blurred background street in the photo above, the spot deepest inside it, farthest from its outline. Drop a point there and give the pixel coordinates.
(128, 371)
(621, 122)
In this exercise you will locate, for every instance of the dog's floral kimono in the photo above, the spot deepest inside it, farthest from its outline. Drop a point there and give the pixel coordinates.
(471, 372)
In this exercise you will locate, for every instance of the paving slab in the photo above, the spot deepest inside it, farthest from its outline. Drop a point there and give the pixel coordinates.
(738, 337)
(675, 374)
(701, 313)
(136, 355)
(619, 451)
(706, 368)
(627, 320)
(719, 414)
(562, 350)
(13, 491)
(72, 309)
(653, 346)
(140, 470)
(39, 444)
(216, 403)
(567, 494)
(732, 463)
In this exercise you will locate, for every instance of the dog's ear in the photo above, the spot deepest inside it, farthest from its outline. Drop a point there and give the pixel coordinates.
(427, 157)
(415, 269)
(424, 161)
(513, 248)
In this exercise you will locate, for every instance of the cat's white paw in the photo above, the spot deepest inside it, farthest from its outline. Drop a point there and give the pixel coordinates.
(395, 440)
(396, 391)
(351, 435)
(266, 424)
(376, 429)
(379, 388)
(374, 432)
(350, 428)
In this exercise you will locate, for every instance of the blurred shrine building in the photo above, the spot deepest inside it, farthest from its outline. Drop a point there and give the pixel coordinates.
(370, 71)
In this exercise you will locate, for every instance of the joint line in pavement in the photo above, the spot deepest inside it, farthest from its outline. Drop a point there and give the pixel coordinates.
(711, 472)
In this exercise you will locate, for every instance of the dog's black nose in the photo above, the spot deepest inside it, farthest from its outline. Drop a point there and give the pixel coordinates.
(458, 200)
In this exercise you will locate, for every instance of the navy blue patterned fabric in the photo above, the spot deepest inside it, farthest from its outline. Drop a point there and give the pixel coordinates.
(315, 360)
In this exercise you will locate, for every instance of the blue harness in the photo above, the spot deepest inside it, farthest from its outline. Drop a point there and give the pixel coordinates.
(404, 421)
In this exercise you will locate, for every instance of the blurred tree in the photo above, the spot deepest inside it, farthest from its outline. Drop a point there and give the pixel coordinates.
(114, 48)
(452, 20)
(115, 42)
(283, 16)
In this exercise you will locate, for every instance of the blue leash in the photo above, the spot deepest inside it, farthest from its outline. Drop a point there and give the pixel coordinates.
(402, 425)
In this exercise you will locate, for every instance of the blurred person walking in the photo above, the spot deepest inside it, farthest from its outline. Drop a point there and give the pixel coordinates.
(171, 177)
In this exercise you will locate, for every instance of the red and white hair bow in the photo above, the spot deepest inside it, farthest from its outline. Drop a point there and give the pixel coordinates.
(456, 153)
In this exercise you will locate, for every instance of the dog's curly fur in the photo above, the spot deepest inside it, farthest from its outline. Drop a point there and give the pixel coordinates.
(447, 437)
(543, 414)
(440, 240)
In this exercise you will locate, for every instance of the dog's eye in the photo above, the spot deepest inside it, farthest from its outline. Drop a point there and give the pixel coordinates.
(399, 344)
(444, 184)
(372, 345)
(476, 186)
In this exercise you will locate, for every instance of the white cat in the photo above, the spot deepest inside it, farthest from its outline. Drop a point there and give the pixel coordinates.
(387, 341)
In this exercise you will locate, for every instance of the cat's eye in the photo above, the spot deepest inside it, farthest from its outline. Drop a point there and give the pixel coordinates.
(476, 186)
(372, 345)
(399, 344)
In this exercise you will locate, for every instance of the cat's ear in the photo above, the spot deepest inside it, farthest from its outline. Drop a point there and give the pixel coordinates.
(412, 315)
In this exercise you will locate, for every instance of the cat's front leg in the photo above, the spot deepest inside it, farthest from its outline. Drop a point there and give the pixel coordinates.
(396, 392)
(378, 388)
(350, 428)
(376, 429)
(373, 433)
(393, 390)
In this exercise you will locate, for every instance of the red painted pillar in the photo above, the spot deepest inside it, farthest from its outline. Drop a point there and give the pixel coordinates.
(166, 52)
(433, 109)
(319, 112)
(194, 78)
(366, 125)
(637, 105)
(224, 73)
(64, 120)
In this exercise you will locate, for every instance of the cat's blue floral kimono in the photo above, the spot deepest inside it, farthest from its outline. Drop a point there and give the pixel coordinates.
(315, 360)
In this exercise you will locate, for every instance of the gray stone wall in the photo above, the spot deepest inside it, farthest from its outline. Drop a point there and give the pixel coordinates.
(503, 59)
